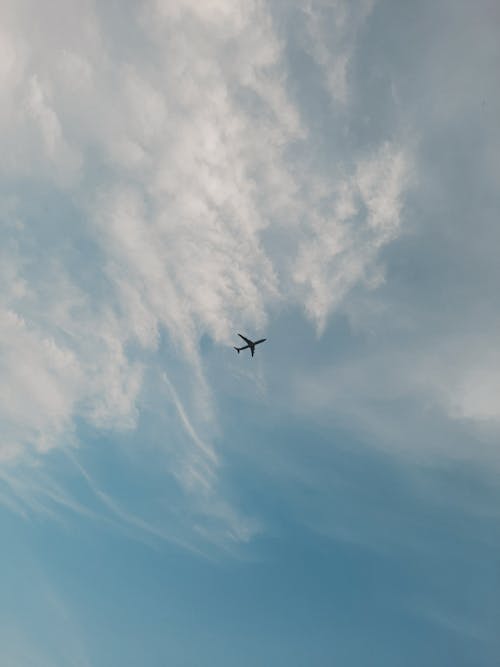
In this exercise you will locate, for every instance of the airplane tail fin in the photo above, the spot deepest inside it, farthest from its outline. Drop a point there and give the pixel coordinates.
(237, 349)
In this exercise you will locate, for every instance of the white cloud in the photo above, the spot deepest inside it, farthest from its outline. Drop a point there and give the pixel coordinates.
(177, 151)
(47, 382)
(463, 374)
(39, 379)
(330, 38)
(364, 215)
(53, 144)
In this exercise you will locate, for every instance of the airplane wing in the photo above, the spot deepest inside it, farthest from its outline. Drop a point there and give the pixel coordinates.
(248, 342)
(260, 341)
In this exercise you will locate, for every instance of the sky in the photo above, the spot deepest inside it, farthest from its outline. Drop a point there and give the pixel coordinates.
(321, 173)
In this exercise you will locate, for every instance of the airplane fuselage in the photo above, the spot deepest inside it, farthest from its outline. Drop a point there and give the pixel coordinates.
(250, 344)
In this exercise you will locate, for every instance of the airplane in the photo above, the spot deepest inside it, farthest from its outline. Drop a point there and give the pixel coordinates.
(249, 343)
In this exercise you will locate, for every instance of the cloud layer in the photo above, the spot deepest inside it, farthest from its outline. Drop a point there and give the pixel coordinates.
(162, 182)
(176, 152)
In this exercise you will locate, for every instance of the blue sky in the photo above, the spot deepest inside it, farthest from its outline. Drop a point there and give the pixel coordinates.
(324, 174)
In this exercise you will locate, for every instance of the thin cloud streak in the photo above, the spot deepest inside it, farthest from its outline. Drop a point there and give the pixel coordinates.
(129, 518)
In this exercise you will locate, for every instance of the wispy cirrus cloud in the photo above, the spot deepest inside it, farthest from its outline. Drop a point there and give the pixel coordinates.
(333, 56)
(167, 186)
